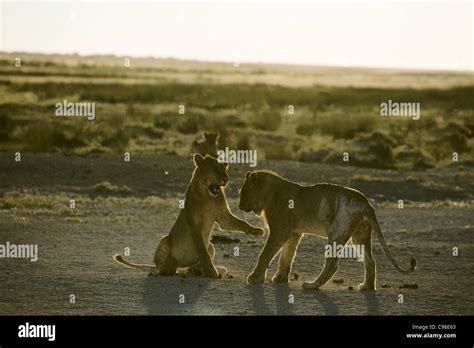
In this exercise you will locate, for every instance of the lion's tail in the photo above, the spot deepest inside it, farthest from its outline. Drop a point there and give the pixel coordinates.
(381, 238)
(124, 262)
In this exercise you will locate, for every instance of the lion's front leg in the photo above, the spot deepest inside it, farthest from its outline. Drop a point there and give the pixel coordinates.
(272, 246)
(205, 259)
(230, 222)
(286, 258)
(197, 269)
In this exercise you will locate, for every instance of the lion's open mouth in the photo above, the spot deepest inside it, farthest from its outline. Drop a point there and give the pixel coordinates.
(214, 190)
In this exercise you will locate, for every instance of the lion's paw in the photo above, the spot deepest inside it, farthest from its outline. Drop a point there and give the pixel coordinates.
(255, 278)
(280, 278)
(222, 271)
(366, 287)
(310, 285)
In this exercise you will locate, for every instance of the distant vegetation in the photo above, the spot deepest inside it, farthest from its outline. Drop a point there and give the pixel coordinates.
(137, 110)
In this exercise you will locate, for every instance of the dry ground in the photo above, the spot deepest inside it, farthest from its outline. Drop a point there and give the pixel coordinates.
(75, 251)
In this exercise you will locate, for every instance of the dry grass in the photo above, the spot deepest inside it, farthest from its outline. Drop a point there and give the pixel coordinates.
(336, 110)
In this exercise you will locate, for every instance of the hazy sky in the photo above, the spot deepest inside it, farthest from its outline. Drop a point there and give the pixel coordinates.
(376, 34)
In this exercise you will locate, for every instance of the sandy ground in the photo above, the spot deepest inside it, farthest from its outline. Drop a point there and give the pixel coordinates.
(76, 257)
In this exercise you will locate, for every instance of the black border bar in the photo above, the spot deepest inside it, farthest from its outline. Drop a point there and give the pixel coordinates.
(287, 330)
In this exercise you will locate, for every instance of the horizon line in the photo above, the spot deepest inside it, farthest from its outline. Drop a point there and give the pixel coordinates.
(269, 63)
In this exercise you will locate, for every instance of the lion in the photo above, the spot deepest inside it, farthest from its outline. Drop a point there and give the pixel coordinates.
(188, 244)
(330, 211)
(207, 145)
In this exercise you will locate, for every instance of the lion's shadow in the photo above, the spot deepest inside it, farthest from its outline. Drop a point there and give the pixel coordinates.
(283, 305)
(164, 296)
(173, 295)
(373, 307)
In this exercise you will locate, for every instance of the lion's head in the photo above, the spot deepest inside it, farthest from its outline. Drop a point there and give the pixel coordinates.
(249, 194)
(211, 174)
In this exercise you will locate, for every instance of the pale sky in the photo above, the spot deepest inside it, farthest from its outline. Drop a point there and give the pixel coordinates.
(370, 34)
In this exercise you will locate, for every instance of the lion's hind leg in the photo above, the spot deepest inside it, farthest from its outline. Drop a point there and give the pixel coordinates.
(339, 233)
(195, 270)
(331, 265)
(363, 236)
(164, 262)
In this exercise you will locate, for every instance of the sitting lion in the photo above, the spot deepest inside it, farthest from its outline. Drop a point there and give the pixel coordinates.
(331, 211)
(188, 244)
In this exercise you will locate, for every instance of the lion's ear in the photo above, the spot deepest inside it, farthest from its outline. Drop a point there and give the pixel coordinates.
(198, 159)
